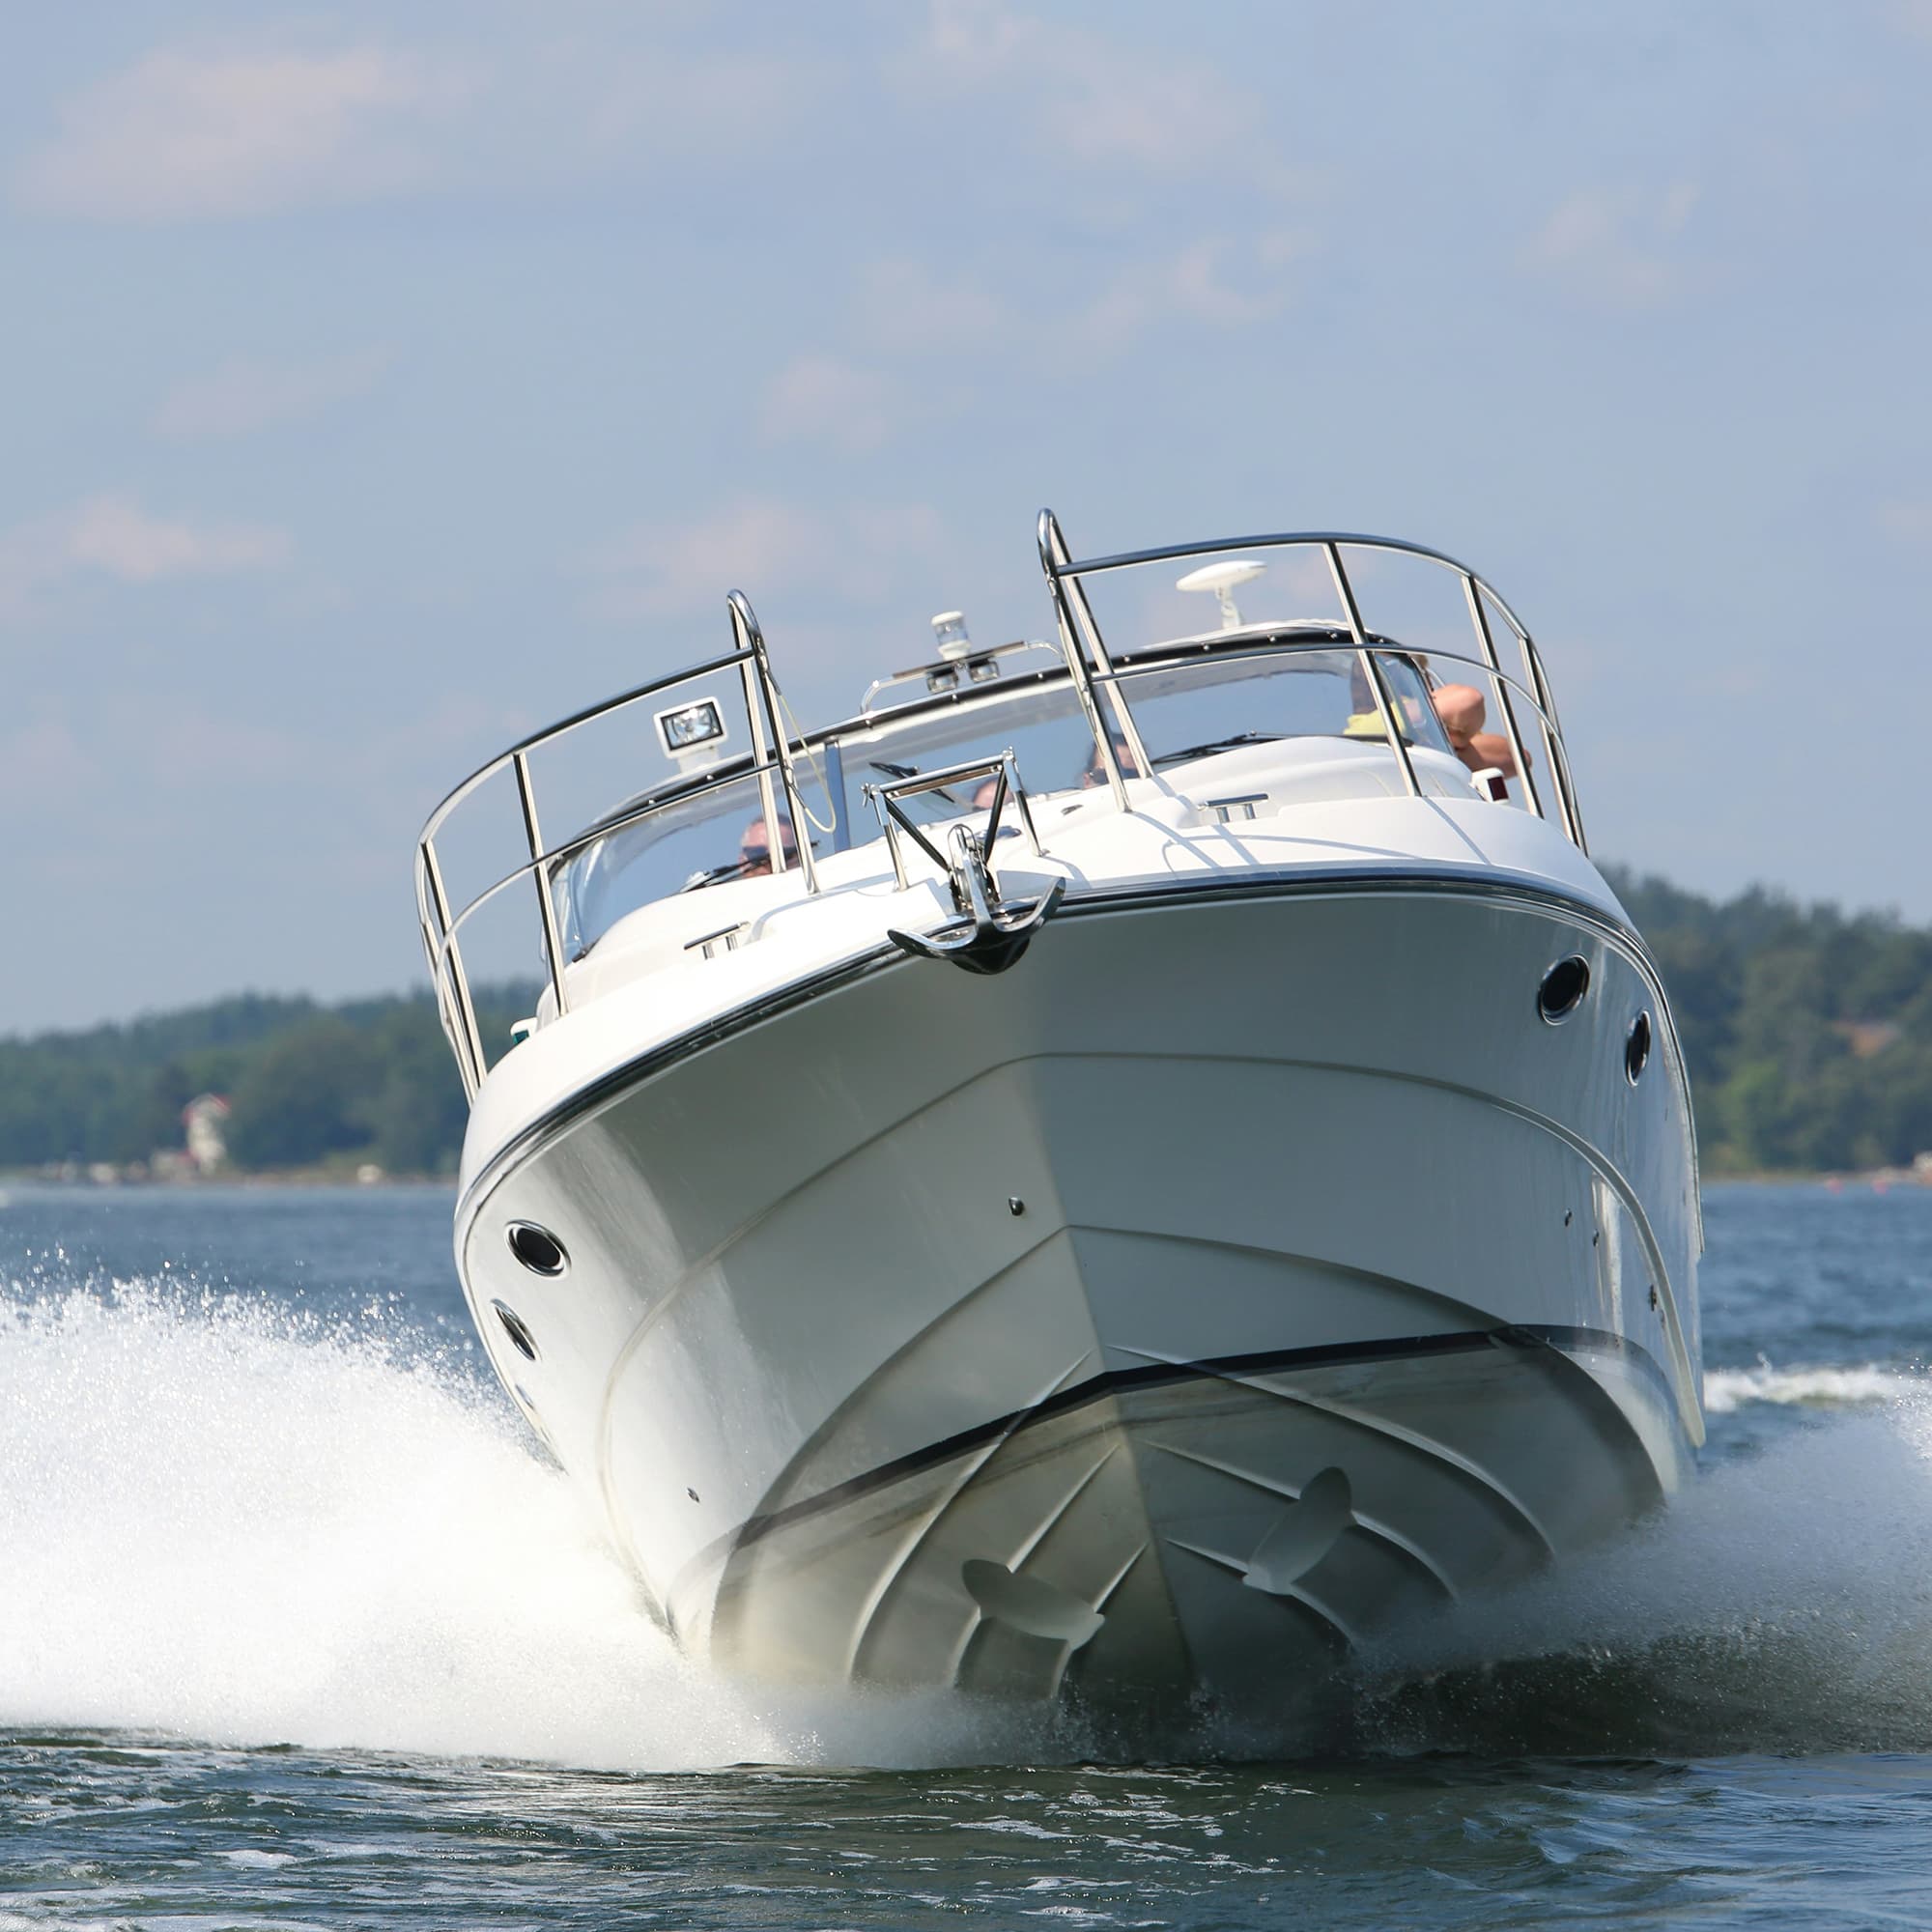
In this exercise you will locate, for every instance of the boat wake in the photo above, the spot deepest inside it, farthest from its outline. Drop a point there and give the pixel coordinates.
(228, 1521)
(1783, 1604)
(1727, 1390)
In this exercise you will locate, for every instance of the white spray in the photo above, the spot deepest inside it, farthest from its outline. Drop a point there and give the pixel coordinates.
(222, 1520)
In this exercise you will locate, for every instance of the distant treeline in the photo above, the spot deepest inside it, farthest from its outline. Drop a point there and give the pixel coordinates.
(1808, 1033)
(371, 1080)
(1808, 1030)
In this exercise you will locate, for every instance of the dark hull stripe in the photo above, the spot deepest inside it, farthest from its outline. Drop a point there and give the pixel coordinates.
(1222, 1368)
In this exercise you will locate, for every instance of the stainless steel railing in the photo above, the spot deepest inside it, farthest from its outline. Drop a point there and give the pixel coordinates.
(1098, 679)
(770, 763)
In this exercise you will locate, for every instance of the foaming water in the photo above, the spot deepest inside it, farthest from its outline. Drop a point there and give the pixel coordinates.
(1782, 1603)
(229, 1522)
(225, 1519)
(1727, 1390)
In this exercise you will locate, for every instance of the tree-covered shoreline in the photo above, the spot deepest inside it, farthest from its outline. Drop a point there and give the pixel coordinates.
(365, 1082)
(1808, 1030)
(1808, 1033)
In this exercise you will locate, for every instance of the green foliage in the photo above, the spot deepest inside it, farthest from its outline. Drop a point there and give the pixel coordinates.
(371, 1080)
(1775, 1002)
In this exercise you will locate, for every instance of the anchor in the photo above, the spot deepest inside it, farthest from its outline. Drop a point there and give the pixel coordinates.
(991, 932)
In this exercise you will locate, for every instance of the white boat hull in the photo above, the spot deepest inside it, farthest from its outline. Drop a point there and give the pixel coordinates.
(938, 1329)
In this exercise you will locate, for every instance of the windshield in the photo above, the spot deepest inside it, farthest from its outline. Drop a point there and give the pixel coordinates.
(1044, 727)
(718, 835)
(1250, 696)
(704, 841)
(1245, 693)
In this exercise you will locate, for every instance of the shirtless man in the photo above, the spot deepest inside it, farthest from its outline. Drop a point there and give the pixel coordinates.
(1462, 712)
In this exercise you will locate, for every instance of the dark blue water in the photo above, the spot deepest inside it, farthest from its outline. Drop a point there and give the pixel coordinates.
(297, 1627)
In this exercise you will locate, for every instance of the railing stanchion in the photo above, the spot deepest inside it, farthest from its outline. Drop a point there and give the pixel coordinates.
(1552, 738)
(761, 699)
(1372, 669)
(1480, 617)
(1054, 557)
(469, 1062)
(553, 942)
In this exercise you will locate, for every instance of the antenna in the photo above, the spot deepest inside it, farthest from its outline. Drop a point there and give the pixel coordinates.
(1223, 578)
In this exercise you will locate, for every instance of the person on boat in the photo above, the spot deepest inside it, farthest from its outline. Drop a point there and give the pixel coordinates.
(1459, 709)
(1094, 772)
(1464, 713)
(754, 850)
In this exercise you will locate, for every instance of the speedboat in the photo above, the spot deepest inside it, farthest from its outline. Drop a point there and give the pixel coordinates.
(1112, 1174)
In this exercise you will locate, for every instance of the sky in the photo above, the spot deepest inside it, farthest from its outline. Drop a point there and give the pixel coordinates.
(380, 382)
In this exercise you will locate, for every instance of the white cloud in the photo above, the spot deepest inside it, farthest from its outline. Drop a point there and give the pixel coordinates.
(112, 536)
(1909, 521)
(820, 399)
(1618, 248)
(182, 137)
(1100, 100)
(1219, 281)
(760, 544)
(43, 765)
(226, 131)
(240, 398)
(116, 537)
(903, 307)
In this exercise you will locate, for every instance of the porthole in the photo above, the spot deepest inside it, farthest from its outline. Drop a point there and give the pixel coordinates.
(514, 1328)
(1636, 1048)
(537, 1249)
(1563, 988)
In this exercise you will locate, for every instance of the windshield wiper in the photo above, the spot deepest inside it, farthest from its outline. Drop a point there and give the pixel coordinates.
(1218, 745)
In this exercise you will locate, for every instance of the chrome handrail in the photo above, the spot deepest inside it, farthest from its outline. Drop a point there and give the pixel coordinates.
(1285, 540)
(770, 763)
(1075, 615)
(1258, 650)
(563, 727)
(446, 960)
(1097, 679)
(1001, 769)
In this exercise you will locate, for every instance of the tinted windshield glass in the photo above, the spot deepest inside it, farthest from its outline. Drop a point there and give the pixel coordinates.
(1242, 694)
(1206, 704)
(699, 841)
(1044, 728)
